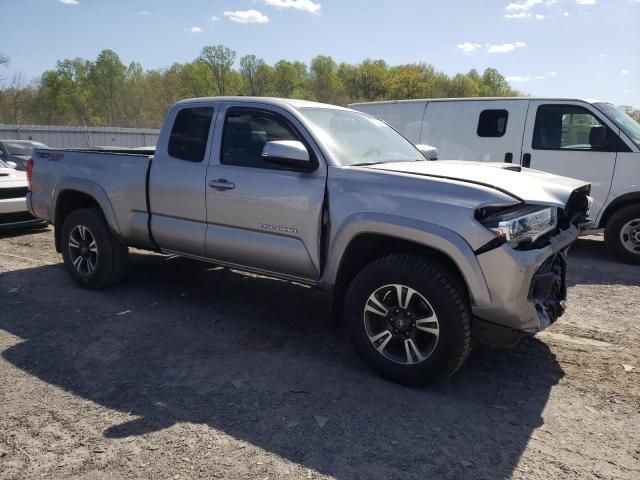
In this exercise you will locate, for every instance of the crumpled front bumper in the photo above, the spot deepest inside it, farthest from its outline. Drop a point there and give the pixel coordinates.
(527, 287)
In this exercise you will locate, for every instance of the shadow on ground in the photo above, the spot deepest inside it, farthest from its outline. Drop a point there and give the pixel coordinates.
(591, 264)
(254, 358)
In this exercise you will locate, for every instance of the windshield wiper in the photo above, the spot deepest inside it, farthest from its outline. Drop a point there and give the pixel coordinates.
(366, 164)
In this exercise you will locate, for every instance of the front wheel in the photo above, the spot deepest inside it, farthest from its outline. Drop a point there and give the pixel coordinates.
(409, 319)
(622, 234)
(93, 256)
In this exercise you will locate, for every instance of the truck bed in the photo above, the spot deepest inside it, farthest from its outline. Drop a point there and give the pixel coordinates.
(117, 178)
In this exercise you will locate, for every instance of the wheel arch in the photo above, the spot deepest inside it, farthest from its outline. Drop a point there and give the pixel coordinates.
(617, 204)
(74, 194)
(367, 238)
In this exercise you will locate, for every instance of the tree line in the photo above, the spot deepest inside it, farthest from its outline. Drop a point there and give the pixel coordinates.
(105, 91)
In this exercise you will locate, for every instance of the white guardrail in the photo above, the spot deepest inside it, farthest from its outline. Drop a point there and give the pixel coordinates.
(60, 136)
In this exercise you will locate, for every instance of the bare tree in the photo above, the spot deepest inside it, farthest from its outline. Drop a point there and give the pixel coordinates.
(4, 61)
(16, 92)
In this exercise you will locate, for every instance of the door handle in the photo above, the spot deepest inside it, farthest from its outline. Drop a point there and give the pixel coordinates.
(222, 184)
(508, 157)
(526, 160)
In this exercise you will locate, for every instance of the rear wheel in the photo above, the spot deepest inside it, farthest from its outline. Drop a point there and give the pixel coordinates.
(409, 319)
(93, 256)
(622, 234)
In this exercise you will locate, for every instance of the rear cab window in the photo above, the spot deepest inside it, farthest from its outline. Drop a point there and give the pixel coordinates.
(190, 133)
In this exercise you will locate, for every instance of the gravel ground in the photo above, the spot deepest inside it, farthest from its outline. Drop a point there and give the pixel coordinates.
(193, 371)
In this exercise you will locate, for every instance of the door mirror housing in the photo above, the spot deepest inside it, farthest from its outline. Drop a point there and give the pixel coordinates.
(289, 154)
(10, 164)
(429, 152)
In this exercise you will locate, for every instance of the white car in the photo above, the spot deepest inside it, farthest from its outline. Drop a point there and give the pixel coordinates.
(590, 140)
(13, 204)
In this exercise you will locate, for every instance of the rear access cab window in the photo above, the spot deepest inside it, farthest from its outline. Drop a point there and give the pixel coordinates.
(188, 138)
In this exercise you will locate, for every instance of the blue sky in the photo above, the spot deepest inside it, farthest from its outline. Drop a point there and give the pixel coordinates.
(582, 48)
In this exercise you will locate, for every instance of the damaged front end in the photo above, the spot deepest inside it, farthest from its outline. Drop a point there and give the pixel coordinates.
(527, 279)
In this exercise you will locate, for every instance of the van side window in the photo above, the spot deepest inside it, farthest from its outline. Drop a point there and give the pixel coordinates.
(245, 134)
(492, 123)
(570, 127)
(190, 132)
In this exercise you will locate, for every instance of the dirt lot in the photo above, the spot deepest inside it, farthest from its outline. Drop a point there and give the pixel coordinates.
(192, 371)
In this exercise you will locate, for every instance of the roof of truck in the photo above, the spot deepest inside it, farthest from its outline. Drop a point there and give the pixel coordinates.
(280, 102)
(475, 99)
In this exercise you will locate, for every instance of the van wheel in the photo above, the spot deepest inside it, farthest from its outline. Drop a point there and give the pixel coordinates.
(622, 234)
(93, 256)
(409, 319)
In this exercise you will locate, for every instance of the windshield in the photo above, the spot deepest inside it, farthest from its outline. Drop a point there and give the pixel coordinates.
(624, 122)
(356, 138)
(22, 148)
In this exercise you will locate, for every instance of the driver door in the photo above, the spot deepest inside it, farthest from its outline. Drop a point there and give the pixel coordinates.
(259, 215)
(573, 140)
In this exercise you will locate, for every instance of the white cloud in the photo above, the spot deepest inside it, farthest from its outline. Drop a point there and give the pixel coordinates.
(305, 5)
(522, 5)
(517, 15)
(566, 14)
(553, 74)
(70, 2)
(193, 29)
(539, 17)
(247, 16)
(624, 72)
(526, 78)
(144, 13)
(602, 55)
(586, 2)
(468, 48)
(505, 47)
(214, 18)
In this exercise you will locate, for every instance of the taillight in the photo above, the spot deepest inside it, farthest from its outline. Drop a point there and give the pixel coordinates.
(29, 172)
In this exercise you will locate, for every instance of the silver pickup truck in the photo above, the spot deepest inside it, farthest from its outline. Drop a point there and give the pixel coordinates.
(419, 258)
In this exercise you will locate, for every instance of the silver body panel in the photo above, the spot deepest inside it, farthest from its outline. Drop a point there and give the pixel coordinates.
(271, 220)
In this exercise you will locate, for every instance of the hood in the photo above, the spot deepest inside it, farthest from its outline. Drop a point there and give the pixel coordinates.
(524, 184)
(10, 178)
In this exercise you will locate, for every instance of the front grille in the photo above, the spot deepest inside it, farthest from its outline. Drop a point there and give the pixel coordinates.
(548, 288)
(16, 192)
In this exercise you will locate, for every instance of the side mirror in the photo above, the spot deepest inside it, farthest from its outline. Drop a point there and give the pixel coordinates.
(288, 153)
(11, 164)
(429, 152)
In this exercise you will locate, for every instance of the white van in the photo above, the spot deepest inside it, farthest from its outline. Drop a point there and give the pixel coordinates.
(589, 140)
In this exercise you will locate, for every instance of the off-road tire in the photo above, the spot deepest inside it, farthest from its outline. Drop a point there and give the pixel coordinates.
(112, 255)
(448, 296)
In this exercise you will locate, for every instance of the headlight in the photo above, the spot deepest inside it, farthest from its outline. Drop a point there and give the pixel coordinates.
(522, 224)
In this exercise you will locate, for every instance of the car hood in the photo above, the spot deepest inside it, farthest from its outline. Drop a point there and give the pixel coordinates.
(12, 178)
(524, 184)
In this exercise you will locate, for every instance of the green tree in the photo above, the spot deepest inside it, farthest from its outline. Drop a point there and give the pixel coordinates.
(106, 78)
(289, 78)
(219, 59)
(324, 79)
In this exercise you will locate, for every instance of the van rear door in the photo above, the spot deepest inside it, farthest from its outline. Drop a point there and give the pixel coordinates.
(480, 130)
(573, 139)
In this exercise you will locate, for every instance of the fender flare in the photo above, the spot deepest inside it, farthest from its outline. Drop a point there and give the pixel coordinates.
(90, 188)
(428, 234)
